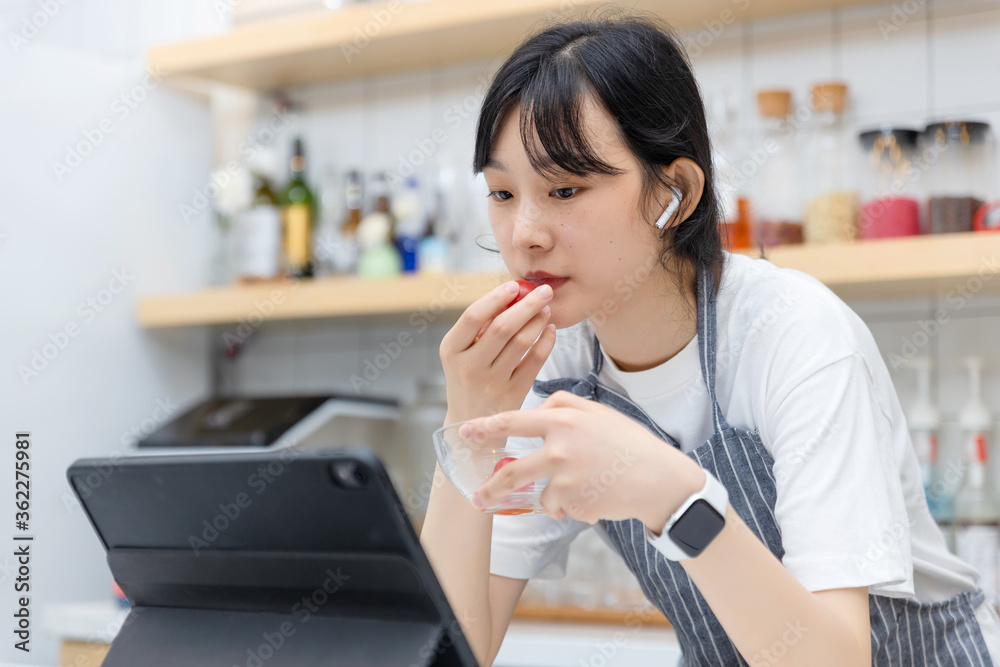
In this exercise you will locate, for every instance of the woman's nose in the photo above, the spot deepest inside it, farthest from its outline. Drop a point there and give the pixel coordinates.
(530, 230)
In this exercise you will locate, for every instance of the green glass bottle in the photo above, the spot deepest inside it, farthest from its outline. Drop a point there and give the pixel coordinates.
(298, 210)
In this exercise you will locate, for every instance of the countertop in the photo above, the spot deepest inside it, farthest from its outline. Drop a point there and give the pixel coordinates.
(527, 644)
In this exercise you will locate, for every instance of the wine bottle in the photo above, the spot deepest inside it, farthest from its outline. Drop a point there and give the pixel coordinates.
(298, 211)
(259, 236)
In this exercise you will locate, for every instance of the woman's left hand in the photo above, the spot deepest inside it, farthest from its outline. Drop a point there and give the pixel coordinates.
(600, 463)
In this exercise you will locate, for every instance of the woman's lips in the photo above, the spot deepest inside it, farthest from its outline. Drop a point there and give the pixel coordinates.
(553, 282)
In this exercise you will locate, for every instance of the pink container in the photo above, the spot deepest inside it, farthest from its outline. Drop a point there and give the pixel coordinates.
(888, 217)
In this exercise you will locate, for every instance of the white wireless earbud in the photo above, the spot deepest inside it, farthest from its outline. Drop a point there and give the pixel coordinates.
(670, 209)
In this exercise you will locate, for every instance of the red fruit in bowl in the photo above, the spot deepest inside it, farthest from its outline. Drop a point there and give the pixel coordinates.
(523, 289)
(527, 488)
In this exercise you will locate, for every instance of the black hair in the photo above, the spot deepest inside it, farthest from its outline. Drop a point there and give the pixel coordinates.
(633, 65)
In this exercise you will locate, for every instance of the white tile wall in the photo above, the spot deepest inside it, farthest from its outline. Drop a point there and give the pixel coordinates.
(901, 67)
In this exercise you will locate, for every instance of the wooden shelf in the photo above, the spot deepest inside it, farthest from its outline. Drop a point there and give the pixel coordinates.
(343, 296)
(536, 612)
(889, 268)
(317, 47)
(914, 266)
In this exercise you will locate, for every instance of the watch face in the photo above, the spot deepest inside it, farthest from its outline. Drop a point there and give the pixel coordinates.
(697, 527)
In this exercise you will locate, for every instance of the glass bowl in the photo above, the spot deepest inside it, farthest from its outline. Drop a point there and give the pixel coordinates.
(469, 462)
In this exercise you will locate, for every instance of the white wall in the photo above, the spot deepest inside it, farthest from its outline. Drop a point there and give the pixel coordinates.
(63, 240)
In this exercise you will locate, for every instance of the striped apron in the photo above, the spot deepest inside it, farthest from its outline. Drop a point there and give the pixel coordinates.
(903, 631)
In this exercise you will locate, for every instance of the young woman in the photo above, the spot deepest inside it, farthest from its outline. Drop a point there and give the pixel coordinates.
(728, 427)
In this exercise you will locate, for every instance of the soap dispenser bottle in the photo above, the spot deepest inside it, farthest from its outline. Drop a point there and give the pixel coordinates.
(924, 421)
(977, 519)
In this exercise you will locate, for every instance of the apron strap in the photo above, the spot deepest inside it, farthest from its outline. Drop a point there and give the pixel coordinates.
(707, 340)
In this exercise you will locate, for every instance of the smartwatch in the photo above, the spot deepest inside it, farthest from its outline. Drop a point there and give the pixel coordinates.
(695, 524)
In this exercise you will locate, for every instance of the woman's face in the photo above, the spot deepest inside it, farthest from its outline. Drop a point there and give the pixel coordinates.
(584, 228)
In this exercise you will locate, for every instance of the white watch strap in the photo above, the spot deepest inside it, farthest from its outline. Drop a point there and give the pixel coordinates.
(712, 492)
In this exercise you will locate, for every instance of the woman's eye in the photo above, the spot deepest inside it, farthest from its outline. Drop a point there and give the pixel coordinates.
(500, 195)
(564, 193)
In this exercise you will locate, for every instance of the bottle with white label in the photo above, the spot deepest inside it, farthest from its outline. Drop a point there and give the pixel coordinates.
(924, 421)
(977, 519)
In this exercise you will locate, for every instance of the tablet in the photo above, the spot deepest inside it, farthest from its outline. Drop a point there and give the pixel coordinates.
(297, 557)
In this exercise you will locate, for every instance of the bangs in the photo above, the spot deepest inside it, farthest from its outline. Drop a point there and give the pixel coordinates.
(551, 125)
(551, 109)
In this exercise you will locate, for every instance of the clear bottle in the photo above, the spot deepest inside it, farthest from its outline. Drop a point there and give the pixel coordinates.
(258, 236)
(411, 220)
(734, 225)
(831, 198)
(382, 201)
(977, 519)
(924, 422)
(777, 194)
(353, 202)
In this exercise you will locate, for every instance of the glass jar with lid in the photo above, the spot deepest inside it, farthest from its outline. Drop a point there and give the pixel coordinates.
(727, 146)
(960, 158)
(830, 192)
(890, 200)
(776, 190)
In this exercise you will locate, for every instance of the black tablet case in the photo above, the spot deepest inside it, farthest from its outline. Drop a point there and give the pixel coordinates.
(295, 535)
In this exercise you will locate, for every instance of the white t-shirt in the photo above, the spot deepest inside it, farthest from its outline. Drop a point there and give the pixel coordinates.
(798, 365)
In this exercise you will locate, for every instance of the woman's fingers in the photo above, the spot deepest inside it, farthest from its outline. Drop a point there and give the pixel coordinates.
(482, 331)
(476, 318)
(516, 328)
(533, 361)
(521, 342)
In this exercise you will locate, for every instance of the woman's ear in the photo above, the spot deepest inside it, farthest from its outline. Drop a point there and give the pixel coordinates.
(686, 172)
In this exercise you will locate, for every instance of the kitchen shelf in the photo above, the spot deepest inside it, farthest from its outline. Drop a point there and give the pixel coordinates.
(568, 614)
(343, 296)
(316, 47)
(934, 264)
(889, 268)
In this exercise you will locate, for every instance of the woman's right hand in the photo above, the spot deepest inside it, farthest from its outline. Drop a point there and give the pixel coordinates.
(484, 356)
